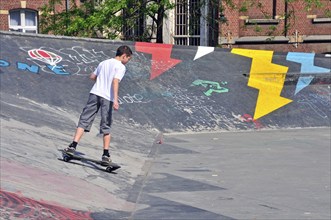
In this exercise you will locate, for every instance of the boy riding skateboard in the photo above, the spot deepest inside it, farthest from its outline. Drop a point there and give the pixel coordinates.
(104, 97)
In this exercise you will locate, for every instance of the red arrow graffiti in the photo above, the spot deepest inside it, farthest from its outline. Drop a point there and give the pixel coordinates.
(161, 60)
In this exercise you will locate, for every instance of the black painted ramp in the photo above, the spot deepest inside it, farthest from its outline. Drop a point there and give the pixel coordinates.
(174, 88)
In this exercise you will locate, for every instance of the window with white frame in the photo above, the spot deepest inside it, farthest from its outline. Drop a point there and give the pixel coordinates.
(23, 20)
(187, 22)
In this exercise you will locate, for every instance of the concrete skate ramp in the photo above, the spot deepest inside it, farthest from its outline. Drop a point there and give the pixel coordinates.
(174, 88)
(167, 172)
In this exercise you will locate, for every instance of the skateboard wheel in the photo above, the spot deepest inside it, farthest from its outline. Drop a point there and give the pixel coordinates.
(109, 169)
(66, 158)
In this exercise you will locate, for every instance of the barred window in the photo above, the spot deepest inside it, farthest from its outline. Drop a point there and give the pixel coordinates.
(187, 22)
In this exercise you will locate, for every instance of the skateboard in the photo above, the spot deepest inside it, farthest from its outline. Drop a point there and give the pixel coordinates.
(109, 167)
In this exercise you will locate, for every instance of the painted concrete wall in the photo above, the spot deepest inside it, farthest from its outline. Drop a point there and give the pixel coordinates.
(172, 88)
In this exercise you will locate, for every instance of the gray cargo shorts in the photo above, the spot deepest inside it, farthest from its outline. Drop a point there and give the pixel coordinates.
(91, 109)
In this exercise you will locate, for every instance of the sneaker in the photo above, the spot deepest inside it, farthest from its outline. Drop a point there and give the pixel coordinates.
(69, 150)
(105, 160)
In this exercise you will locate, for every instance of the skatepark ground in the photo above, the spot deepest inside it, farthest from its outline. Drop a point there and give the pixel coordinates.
(222, 175)
(180, 160)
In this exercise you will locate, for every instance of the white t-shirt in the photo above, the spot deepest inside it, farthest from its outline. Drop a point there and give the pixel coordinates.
(106, 71)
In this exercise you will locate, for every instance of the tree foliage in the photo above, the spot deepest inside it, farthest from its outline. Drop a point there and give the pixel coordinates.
(116, 18)
(106, 19)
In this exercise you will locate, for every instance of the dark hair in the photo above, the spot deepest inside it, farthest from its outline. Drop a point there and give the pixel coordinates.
(124, 50)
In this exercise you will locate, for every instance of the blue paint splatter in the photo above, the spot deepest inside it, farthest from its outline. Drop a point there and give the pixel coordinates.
(307, 67)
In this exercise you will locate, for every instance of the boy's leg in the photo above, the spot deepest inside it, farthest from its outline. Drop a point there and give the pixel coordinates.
(105, 124)
(85, 121)
(78, 135)
(106, 141)
(72, 147)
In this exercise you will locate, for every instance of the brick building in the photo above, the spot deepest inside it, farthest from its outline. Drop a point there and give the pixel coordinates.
(262, 26)
(23, 16)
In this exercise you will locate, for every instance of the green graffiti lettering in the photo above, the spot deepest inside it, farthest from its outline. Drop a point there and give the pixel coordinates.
(212, 86)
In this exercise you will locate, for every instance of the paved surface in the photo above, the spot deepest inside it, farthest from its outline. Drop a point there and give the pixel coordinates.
(189, 149)
(227, 175)
(243, 175)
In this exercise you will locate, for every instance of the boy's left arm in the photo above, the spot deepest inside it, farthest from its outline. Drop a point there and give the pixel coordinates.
(116, 83)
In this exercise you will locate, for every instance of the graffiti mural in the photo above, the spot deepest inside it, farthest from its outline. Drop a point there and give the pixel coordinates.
(130, 99)
(162, 75)
(50, 59)
(307, 68)
(268, 78)
(212, 86)
(203, 51)
(161, 57)
(45, 56)
(64, 61)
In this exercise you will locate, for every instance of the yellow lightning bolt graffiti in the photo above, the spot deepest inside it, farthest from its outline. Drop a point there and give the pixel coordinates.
(268, 78)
